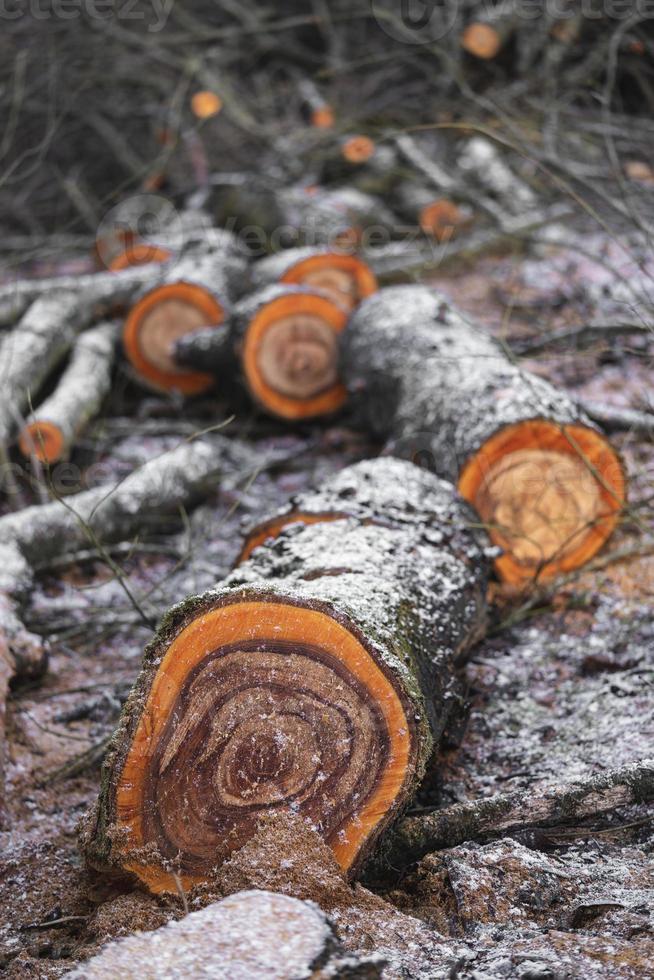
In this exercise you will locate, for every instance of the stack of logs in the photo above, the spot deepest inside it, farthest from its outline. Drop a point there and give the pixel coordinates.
(320, 674)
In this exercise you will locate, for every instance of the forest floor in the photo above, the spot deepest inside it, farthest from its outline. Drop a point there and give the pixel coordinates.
(557, 691)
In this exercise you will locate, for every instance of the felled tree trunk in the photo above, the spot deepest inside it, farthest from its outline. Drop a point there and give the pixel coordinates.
(194, 291)
(286, 339)
(318, 677)
(55, 424)
(343, 276)
(254, 933)
(541, 476)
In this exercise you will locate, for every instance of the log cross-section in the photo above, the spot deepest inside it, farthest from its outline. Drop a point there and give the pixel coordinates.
(542, 477)
(318, 677)
(194, 291)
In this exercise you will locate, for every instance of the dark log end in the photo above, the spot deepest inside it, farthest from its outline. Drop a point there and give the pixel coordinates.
(257, 704)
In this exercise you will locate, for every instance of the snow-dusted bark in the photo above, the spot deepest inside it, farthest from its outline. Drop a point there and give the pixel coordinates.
(319, 674)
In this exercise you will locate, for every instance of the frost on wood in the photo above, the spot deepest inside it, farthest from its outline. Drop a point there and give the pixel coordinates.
(250, 934)
(53, 427)
(31, 350)
(443, 393)
(318, 675)
(566, 803)
(374, 491)
(96, 291)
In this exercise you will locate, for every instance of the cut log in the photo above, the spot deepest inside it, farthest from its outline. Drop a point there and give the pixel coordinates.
(403, 496)
(485, 36)
(541, 476)
(317, 110)
(252, 935)
(286, 338)
(346, 278)
(349, 157)
(439, 217)
(195, 291)
(318, 677)
(54, 426)
(509, 813)
(146, 229)
(31, 351)
(338, 217)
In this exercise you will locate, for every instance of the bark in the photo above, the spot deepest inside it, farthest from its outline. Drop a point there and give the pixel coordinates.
(30, 351)
(443, 393)
(33, 536)
(286, 340)
(318, 675)
(197, 289)
(482, 161)
(250, 934)
(146, 228)
(405, 496)
(333, 216)
(620, 419)
(99, 290)
(509, 813)
(53, 428)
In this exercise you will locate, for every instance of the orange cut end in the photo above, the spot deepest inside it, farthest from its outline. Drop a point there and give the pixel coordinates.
(358, 149)
(237, 721)
(206, 104)
(272, 528)
(42, 440)
(156, 322)
(323, 117)
(550, 496)
(440, 219)
(139, 254)
(290, 356)
(346, 278)
(481, 40)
